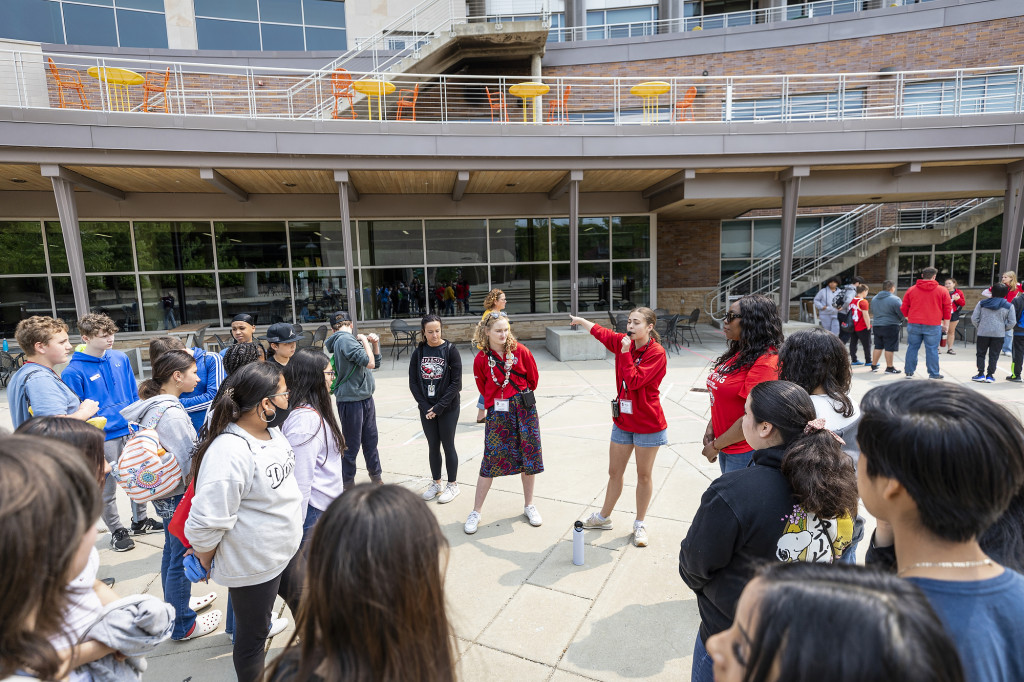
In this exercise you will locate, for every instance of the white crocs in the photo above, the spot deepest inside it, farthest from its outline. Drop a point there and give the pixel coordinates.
(200, 603)
(204, 625)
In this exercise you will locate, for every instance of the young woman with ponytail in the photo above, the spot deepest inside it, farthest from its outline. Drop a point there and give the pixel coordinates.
(795, 503)
(245, 524)
(174, 373)
(638, 421)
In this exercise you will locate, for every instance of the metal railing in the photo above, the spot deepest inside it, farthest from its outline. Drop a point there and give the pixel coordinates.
(673, 101)
(846, 235)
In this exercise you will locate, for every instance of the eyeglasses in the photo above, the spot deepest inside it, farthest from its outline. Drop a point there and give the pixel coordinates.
(730, 316)
(498, 315)
(329, 372)
(274, 395)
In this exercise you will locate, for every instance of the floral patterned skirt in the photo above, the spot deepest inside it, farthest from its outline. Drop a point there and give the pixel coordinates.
(512, 442)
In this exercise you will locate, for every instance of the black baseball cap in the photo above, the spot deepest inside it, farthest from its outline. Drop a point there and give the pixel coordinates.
(281, 332)
(338, 318)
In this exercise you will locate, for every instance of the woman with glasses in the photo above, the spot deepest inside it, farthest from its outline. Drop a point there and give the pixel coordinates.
(314, 434)
(753, 329)
(245, 525)
(494, 302)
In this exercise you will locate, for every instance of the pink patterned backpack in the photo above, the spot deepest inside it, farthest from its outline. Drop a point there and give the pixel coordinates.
(144, 469)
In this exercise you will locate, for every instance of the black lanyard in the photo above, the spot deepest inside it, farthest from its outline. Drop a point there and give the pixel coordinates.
(636, 363)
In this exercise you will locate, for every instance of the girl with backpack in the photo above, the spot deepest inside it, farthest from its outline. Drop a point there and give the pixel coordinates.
(245, 525)
(174, 373)
(314, 434)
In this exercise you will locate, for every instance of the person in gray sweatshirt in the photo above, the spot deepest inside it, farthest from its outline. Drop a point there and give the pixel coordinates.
(992, 317)
(245, 525)
(886, 318)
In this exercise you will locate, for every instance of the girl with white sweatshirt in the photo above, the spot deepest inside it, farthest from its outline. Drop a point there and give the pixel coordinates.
(246, 519)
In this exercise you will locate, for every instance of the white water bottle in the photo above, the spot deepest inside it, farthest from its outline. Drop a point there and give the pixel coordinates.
(577, 543)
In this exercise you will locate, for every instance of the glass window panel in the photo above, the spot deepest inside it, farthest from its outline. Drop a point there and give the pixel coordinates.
(105, 3)
(64, 297)
(245, 245)
(215, 34)
(318, 293)
(174, 246)
(152, 5)
(475, 277)
(194, 294)
(89, 25)
(319, 244)
(105, 246)
(284, 11)
(283, 38)
(264, 295)
(326, 39)
(384, 293)
(963, 242)
(986, 269)
(22, 297)
(390, 242)
(631, 237)
(593, 238)
(141, 29)
(595, 286)
(990, 234)
(519, 240)
(24, 238)
(227, 9)
(35, 20)
(456, 241)
(957, 266)
(735, 239)
(728, 268)
(324, 13)
(527, 288)
(115, 297)
(632, 282)
(767, 237)
(808, 226)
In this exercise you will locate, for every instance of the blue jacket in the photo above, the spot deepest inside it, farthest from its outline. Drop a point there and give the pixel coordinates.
(210, 368)
(38, 387)
(108, 380)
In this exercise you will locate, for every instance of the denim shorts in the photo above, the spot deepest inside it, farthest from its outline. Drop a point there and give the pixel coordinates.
(640, 440)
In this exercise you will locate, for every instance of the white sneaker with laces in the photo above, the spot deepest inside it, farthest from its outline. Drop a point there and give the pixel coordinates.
(472, 522)
(595, 522)
(533, 515)
(451, 491)
(277, 626)
(639, 534)
(433, 491)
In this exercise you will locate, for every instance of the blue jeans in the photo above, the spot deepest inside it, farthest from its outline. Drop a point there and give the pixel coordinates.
(930, 335)
(734, 461)
(1008, 342)
(312, 516)
(703, 668)
(359, 427)
(177, 588)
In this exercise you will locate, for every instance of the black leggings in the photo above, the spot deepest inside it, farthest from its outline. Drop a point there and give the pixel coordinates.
(864, 336)
(991, 345)
(440, 431)
(252, 605)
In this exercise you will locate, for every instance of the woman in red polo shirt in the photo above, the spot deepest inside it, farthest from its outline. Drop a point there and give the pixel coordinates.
(506, 375)
(638, 420)
(754, 331)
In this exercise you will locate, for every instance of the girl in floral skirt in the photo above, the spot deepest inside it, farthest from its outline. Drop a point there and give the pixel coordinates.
(506, 375)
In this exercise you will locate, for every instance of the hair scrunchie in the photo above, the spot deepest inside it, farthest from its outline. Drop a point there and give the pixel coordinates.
(819, 425)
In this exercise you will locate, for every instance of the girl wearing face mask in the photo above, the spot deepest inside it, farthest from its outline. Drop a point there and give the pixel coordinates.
(245, 525)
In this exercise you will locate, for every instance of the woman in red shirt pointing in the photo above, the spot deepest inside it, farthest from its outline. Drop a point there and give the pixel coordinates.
(638, 420)
(506, 375)
(754, 331)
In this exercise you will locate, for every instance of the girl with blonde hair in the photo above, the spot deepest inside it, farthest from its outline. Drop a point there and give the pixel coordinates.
(494, 302)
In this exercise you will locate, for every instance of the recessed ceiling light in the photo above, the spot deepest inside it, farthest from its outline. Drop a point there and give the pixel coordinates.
(510, 184)
(20, 181)
(405, 231)
(690, 205)
(288, 184)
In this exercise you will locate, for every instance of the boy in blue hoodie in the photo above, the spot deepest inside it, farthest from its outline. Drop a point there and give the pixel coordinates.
(209, 367)
(99, 372)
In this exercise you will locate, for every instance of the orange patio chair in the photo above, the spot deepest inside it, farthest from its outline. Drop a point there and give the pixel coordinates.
(67, 79)
(684, 107)
(156, 83)
(497, 101)
(406, 103)
(341, 86)
(558, 109)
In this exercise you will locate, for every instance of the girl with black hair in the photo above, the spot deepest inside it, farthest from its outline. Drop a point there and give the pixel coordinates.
(754, 331)
(245, 525)
(791, 613)
(314, 434)
(242, 354)
(243, 326)
(435, 380)
(796, 503)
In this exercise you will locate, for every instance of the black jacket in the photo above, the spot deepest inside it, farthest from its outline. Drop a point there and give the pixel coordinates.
(737, 528)
(446, 389)
(1018, 308)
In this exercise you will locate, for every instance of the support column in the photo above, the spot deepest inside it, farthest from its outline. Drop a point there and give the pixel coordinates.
(535, 68)
(1013, 217)
(575, 19)
(574, 241)
(341, 177)
(67, 211)
(892, 263)
(790, 200)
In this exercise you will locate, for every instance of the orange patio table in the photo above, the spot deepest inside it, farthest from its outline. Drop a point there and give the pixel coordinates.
(371, 89)
(117, 81)
(649, 91)
(530, 92)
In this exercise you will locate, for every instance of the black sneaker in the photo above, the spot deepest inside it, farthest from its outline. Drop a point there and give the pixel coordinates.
(937, 376)
(146, 526)
(120, 540)
(893, 370)
(1014, 378)
(910, 375)
(874, 368)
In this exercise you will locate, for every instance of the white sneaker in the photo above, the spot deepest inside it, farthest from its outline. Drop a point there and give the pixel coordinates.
(639, 534)
(451, 491)
(595, 522)
(277, 626)
(472, 522)
(531, 513)
(433, 491)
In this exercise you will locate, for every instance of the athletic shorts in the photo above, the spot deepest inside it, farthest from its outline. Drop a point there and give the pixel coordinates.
(640, 440)
(887, 337)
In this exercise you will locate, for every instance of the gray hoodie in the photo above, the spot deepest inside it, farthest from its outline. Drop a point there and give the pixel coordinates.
(247, 507)
(993, 317)
(174, 428)
(350, 353)
(885, 309)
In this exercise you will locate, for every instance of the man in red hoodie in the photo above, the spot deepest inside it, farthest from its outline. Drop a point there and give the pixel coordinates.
(927, 308)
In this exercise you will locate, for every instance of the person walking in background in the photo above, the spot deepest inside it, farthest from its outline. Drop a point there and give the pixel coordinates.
(861, 318)
(992, 317)
(167, 302)
(958, 301)
(927, 308)
(754, 331)
(449, 299)
(886, 319)
(825, 304)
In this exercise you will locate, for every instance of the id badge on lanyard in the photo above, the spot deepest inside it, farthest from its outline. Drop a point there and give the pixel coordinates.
(626, 406)
(501, 405)
(431, 390)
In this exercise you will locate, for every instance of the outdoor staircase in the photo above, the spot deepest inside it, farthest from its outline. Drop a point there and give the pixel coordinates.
(842, 243)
